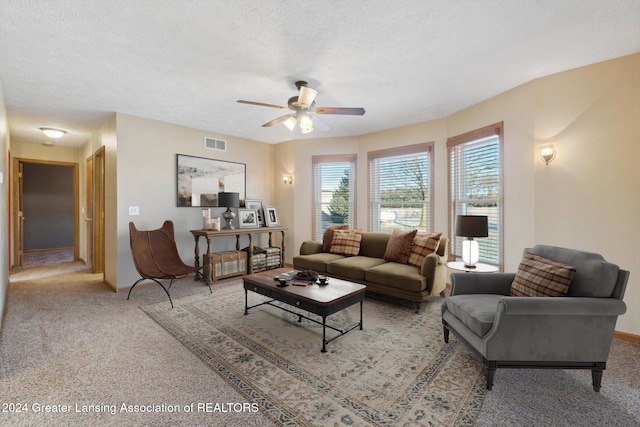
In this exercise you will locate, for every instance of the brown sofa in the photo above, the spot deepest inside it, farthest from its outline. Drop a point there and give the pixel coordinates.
(380, 276)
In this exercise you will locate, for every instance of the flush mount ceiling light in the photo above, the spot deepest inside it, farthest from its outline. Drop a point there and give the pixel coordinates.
(53, 133)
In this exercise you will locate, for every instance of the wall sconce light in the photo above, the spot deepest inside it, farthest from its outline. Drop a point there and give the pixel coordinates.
(53, 133)
(547, 152)
(287, 179)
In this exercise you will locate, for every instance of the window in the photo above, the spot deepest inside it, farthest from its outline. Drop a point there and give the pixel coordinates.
(475, 187)
(334, 193)
(400, 188)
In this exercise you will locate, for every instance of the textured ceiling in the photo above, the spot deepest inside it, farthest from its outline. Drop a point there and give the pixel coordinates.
(71, 63)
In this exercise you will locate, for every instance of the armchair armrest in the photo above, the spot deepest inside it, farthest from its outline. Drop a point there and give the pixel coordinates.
(560, 306)
(309, 247)
(481, 283)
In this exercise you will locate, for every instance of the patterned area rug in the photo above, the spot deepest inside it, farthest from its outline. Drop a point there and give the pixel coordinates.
(396, 371)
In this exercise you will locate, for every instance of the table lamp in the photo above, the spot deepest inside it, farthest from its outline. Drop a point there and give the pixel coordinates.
(229, 200)
(471, 226)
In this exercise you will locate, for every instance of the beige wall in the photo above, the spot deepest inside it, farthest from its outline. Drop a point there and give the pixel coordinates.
(5, 146)
(588, 198)
(146, 177)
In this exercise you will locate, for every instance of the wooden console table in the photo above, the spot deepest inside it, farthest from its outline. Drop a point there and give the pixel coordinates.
(210, 234)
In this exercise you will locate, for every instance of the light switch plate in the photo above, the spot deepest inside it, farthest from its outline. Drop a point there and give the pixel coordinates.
(134, 210)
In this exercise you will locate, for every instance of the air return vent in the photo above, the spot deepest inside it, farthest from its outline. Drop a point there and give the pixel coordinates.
(215, 144)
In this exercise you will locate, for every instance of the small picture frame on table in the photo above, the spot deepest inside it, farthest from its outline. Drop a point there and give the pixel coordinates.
(271, 216)
(247, 218)
(257, 205)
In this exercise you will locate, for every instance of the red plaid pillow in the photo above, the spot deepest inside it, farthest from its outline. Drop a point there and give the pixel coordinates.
(423, 245)
(346, 242)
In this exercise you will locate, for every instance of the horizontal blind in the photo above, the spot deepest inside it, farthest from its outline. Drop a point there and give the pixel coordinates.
(334, 194)
(475, 180)
(400, 190)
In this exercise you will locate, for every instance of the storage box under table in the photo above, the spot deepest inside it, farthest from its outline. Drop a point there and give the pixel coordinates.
(226, 264)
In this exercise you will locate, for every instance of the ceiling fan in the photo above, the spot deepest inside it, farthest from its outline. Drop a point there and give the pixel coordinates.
(305, 110)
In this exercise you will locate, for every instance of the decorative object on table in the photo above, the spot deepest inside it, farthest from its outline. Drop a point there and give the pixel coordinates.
(199, 180)
(206, 219)
(471, 226)
(229, 200)
(307, 275)
(247, 218)
(271, 216)
(257, 205)
(215, 223)
(323, 280)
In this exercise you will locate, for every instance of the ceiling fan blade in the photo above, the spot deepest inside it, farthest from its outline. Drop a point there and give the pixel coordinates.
(318, 123)
(340, 110)
(307, 96)
(278, 120)
(262, 104)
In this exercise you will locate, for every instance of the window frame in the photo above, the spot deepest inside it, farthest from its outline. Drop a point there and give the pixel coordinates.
(497, 130)
(331, 158)
(426, 147)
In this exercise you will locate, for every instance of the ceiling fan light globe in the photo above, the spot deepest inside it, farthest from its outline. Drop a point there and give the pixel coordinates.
(290, 123)
(306, 124)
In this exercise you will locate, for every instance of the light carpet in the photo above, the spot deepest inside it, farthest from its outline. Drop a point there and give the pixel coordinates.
(396, 371)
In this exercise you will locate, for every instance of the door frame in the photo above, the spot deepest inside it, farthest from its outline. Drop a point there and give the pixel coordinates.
(17, 205)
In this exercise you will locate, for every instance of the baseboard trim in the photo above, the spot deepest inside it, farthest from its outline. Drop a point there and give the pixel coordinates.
(625, 336)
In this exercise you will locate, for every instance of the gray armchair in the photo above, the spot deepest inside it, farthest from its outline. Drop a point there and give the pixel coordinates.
(563, 332)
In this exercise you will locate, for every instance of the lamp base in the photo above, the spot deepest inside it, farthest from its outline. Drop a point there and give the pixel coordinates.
(469, 265)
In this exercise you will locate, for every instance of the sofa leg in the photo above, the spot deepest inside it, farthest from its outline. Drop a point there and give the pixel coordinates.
(418, 305)
(490, 370)
(596, 376)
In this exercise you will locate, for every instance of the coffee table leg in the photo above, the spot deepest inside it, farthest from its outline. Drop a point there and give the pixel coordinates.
(361, 303)
(246, 301)
(324, 334)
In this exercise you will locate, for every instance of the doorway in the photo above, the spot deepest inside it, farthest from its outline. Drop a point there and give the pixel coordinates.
(45, 208)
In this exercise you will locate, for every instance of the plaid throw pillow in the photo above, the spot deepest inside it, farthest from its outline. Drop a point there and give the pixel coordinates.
(346, 242)
(541, 277)
(423, 245)
(399, 246)
(328, 236)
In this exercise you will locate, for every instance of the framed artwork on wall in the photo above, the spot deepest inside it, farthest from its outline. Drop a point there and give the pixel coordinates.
(257, 205)
(199, 180)
(248, 218)
(271, 216)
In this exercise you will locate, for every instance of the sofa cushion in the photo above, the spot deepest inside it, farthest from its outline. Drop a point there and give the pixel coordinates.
(346, 242)
(399, 246)
(395, 275)
(373, 244)
(541, 277)
(353, 267)
(316, 262)
(476, 311)
(327, 238)
(595, 277)
(423, 245)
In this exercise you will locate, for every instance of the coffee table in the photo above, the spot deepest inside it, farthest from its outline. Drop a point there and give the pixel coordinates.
(320, 300)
